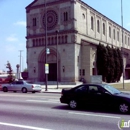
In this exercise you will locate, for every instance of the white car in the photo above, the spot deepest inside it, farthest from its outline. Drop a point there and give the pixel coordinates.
(21, 85)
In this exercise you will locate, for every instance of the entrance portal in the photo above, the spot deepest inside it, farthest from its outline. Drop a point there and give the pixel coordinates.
(52, 76)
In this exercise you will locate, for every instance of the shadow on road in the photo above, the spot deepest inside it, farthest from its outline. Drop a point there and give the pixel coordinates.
(90, 109)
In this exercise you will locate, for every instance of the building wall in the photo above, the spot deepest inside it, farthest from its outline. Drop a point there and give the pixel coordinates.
(78, 37)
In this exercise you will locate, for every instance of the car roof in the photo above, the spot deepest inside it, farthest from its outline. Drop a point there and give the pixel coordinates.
(99, 84)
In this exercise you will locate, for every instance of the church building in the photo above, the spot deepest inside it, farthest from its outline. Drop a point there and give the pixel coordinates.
(62, 38)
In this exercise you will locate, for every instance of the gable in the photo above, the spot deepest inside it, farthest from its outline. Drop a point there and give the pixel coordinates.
(39, 2)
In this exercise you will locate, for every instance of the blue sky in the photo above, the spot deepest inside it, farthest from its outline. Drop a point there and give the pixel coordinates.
(13, 26)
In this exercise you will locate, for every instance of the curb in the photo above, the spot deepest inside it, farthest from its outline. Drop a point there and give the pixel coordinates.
(51, 92)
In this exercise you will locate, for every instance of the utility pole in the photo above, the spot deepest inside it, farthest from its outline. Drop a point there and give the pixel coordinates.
(57, 57)
(122, 40)
(20, 63)
(46, 65)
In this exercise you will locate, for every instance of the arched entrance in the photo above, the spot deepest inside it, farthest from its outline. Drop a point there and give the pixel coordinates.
(52, 61)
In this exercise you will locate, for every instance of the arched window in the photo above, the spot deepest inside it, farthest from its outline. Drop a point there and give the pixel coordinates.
(65, 16)
(109, 31)
(55, 40)
(92, 23)
(39, 42)
(125, 40)
(36, 42)
(33, 42)
(34, 21)
(42, 41)
(66, 39)
(83, 16)
(52, 40)
(117, 35)
(49, 41)
(59, 40)
(128, 41)
(104, 28)
(62, 39)
(114, 36)
(98, 26)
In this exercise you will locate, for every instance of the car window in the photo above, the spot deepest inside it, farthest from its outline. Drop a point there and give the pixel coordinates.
(13, 83)
(82, 88)
(19, 82)
(93, 89)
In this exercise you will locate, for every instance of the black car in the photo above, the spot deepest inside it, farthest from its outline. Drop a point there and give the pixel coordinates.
(102, 95)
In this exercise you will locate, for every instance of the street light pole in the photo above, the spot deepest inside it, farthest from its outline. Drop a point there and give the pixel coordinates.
(20, 64)
(57, 57)
(46, 75)
(122, 39)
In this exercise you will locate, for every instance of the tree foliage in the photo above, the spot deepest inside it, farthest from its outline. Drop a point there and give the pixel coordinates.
(109, 63)
(10, 72)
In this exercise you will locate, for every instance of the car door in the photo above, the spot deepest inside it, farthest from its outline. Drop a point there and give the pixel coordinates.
(94, 95)
(81, 94)
(11, 86)
(19, 85)
(98, 96)
(107, 98)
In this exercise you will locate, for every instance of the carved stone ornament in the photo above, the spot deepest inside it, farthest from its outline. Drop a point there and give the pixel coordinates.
(52, 19)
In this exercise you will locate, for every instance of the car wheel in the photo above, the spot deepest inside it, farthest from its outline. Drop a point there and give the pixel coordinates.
(5, 89)
(33, 91)
(124, 108)
(24, 90)
(73, 104)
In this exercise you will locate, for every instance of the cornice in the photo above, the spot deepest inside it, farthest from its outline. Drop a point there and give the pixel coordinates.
(51, 34)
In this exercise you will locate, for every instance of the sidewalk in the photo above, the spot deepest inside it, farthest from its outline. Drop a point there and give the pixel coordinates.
(54, 89)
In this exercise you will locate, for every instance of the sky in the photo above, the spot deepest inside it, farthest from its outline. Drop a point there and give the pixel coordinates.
(13, 26)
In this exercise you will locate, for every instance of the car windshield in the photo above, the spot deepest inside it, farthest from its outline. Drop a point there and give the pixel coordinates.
(25, 82)
(111, 89)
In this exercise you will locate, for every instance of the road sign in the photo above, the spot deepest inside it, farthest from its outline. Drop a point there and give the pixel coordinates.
(46, 68)
(47, 51)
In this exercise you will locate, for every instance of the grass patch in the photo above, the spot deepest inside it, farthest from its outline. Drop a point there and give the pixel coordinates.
(120, 86)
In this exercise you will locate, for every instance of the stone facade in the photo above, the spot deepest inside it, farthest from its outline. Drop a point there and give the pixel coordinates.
(80, 29)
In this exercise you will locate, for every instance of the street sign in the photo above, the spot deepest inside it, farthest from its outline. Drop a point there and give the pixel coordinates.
(46, 68)
(47, 51)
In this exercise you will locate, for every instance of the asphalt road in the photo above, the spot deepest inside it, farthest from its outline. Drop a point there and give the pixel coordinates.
(43, 111)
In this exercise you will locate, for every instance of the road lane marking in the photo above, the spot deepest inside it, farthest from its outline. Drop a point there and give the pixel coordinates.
(97, 115)
(23, 126)
(53, 100)
(43, 101)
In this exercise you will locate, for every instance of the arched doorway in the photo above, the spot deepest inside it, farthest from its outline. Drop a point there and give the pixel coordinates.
(52, 61)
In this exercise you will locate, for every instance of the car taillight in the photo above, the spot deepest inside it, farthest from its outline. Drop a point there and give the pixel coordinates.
(32, 86)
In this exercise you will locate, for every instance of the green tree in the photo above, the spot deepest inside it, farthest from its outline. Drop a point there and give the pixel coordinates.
(101, 61)
(104, 62)
(117, 65)
(108, 77)
(109, 63)
(10, 72)
(113, 66)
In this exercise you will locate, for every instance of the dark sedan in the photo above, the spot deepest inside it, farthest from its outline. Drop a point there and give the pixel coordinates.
(102, 95)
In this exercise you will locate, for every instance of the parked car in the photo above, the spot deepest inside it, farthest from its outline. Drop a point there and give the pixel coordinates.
(21, 86)
(102, 95)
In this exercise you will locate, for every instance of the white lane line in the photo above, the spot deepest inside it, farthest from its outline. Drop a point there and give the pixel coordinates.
(23, 126)
(53, 100)
(43, 101)
(97, 115)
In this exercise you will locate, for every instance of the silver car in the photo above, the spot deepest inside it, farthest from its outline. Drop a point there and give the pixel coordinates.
(21, 86)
